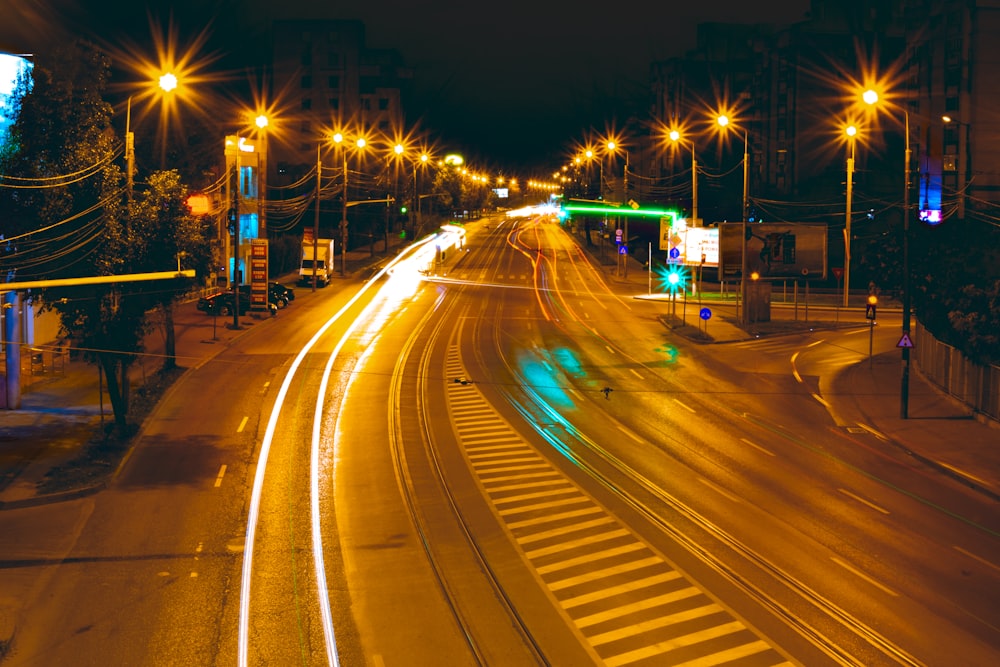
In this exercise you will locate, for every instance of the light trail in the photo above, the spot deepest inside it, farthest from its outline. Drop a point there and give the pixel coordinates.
(253, 514)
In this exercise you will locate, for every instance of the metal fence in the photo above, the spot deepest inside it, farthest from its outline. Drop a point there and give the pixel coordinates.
(975, 385)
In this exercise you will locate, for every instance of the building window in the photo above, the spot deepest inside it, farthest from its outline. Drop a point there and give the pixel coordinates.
(366, 104)
(383, 125)
(333, 59)
(333, 82)
(307, 57)
(305, 127)
(383, 104)
(307, 81)
(307, 104)
(334, 102)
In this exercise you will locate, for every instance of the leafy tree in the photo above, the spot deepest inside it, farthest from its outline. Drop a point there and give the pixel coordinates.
(166, 235)
(76, 219)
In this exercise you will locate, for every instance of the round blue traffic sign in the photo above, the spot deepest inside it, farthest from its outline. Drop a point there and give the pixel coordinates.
(705, 313)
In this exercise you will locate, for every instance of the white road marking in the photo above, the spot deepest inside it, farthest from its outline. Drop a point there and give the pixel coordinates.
(873, 432)
(630, 434)
(636, 373)
(718, 489)
(222, 473)
(863, 501)
(686, 407)
(820, 399)
(242, 424)
(977, 558)
(864, 576)
(756, 446)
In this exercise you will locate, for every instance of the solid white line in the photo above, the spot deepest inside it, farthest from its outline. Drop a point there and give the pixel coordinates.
(864, 576)
(863, 501)
(768, 452)
(608, 348)
(686, 407)
(242, 424)
(636, 373)
(222, 473)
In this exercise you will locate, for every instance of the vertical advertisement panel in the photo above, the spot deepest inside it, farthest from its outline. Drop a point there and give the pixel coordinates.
(258, 274)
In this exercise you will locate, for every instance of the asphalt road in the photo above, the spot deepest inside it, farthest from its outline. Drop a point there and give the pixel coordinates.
(511, 464)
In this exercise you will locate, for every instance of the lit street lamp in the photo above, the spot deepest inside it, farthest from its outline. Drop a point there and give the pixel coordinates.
(675, 136)
(851, 131)
(871, 98)
(723, 122)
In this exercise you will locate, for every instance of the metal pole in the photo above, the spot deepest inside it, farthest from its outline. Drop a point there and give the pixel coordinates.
(236, 239)
(847, 229)
(694, 187)
(319, 185)
(743, 227)
(129, 149)
(904, 390)
(343, 224)
(625, 197)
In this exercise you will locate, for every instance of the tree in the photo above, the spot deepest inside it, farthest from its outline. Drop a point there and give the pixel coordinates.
(76, 220)
(165, 232)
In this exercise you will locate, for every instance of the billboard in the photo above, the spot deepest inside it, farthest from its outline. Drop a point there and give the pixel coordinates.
(774, 249)
(696, 246)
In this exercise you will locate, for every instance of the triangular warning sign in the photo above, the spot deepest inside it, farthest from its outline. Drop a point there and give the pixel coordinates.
(905, 341)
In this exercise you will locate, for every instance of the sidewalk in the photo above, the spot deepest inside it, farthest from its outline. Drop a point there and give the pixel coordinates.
(941, 432)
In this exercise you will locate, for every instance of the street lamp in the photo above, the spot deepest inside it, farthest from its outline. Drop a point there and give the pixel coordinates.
(851, 131)
(723, 121)
(613, 148)
(675, 136)
(871, 97)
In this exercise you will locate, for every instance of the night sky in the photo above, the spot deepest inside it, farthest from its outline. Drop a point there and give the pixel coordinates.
(514, 82)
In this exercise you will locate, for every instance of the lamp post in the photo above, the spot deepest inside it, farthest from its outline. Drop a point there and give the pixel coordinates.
(964, 165)
(675, 136)
(851, 131)
(871, 97)
(723, 121)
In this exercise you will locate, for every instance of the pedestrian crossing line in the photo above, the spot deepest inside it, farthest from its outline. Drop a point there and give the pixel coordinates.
(546, 474)
(590, 558)
(639, 606)
(637, 584)
(556, 548)
(596, 575)
(623, 597)
(525, 540)
(652, 624)
(550, 518)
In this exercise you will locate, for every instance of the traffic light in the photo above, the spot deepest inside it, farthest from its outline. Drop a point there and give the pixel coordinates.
(402, 210)
(870, 307)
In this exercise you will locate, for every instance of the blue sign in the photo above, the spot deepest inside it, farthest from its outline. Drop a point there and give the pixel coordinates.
(705, 314)
(623, 250)
(675, 253)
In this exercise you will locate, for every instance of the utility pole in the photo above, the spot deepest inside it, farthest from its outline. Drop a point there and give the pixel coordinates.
(319, 176)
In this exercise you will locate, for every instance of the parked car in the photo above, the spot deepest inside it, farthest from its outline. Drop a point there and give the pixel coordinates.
(280, 294)
(221, 303)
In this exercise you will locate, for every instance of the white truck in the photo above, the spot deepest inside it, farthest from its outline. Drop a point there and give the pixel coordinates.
(322, 263)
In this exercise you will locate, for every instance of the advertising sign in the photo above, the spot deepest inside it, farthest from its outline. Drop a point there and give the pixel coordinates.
(692, 246)
(258, 274)
(777, 250)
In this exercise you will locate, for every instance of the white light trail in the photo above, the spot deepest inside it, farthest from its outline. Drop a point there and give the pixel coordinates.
(255, 497)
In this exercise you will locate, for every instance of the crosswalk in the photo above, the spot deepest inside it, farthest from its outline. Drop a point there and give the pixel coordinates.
(623, 597)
